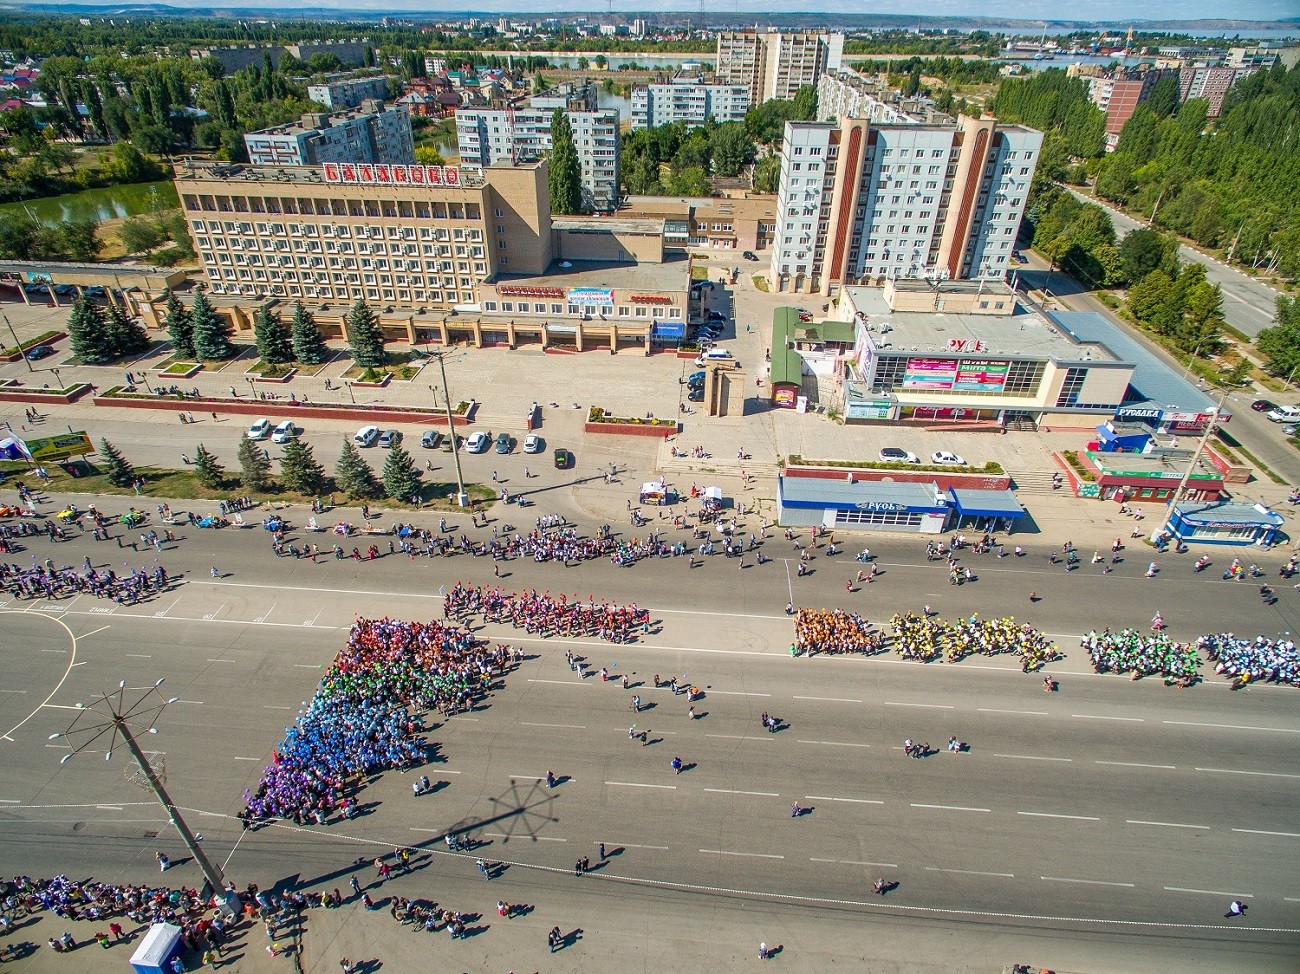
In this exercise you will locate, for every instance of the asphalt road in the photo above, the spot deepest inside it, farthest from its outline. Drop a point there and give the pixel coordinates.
(1081, 805)
(1248, 305)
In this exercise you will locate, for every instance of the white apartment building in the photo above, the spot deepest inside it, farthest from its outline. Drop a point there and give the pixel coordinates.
(847, 94)
(688, 101)
(862, 203)
(773, 64)
(486, 137)
(369, 133)
(338, 92)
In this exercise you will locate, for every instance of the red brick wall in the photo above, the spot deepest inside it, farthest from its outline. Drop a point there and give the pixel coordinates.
(631, 429)
(288, 410)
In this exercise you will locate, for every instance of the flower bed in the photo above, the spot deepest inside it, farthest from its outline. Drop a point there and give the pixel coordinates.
(17, 392)
(599, 421)
(296, 409)
(181, 370)
(992, 467)
(14, 353)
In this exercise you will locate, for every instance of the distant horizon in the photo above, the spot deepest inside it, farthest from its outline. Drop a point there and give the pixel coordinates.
(1109, 12)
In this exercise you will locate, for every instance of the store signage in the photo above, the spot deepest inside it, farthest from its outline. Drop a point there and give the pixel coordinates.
(966, 345)
(785, 396)
(1135, 412)
(510, 290)
(880, 506)
(930, 373)
(600, 297)
(868, 409)
(650, 299)
(383, 175)
(981, 375)
(59, 447)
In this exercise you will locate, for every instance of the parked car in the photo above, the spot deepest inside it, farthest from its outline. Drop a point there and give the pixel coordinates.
(366, 436)
(389, 438)
(696, 394)
(1290, 430)
(1262, 405)
(947, 458)
(695, 384)
(716, 316)
(564, 459)
(534, 443)
(505, 443)
(430, 439)
(749, 255)
(712, 355)
(479, 442)
(892, 454)
(38, 352)
(1019, 258)
(1284, 414)
(260, 430)
(285, 432)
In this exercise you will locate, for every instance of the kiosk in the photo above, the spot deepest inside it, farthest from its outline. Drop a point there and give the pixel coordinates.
(161, 943)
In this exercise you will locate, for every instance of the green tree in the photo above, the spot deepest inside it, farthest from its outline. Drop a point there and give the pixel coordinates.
(565, 178)
(401, 478)
(1280, 342)
(254, 465)
(124, 334)
(1164, 96)
(805, 103)
(354, 476)
(691, 181)
(364, 337)
(139, 234)
(427, 155)
(1144, 249)
(207, 470)
(271, 336)
(80, 239)
(211, 330)
(299, 469)
(732, 149)
(308, 342)
(1203, 316)
(117, 468)
(87, 333)
(767, 174)
(180, 326)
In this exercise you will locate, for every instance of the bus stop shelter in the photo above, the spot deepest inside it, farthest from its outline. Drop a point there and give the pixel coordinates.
(986, 510)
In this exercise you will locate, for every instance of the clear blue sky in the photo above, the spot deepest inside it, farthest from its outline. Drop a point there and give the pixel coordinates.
(1116, 11)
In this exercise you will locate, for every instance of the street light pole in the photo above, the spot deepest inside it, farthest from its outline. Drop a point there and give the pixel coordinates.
(462, 499)
(17, 344)
(114, 721)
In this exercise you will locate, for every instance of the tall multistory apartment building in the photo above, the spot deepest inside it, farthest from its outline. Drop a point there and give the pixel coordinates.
(369, 133)
(342, 92)
(775, 64)
(1210, 82)
(689, 101)
(847, 94)
(861, 203)
(488, 136)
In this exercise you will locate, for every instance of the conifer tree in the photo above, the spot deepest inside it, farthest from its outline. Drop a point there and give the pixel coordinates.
(271, 336)
(364, 336)
(308, 343)
(254, 466)
(207, 470)
(87, 333)
(117, 468)
(354, 476)
(126, 336)
(299, 470)
(180, 327)
(401, 479)
(211, 330)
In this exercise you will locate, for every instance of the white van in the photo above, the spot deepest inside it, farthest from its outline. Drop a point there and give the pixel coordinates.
(1284, 414)
(712, 355)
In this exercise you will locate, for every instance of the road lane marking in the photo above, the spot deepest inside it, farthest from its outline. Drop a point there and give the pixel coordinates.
(275, 707)
(1265, 774)
(200, 701)
(738, 693)
(831, 699)
(534, 838)
(754, 855)
(1210, 892)
(93, 631)
(856, 801)
(1027, 713)
(835, 743)
(221, 661)
(72, 661)
(1080, 818)
(967, 872)
(1087, 882)
(138, 656)
(929, 706)
(729, 791)
(741, 737)
(1132, 720)
(855, 862)
(1171, 825)
(13, 691)
(307, 666)
(1288, 835)
(1134, 764)
(951, 808)
(110, 808)
(564, 726)
(629, 845)
(1030, 757)
(237, 758)
(567, 683)
(639, 784)
(1193, 723)
(473, 719)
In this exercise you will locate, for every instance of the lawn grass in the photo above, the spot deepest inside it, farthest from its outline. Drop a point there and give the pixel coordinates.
(399, 365)
(40, 339)
(760, 282)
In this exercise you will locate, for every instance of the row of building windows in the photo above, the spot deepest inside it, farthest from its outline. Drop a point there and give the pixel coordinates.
(310, 206)
(538, 308)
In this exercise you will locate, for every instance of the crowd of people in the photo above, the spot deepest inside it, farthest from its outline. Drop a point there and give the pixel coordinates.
(366, 714)
(834, 631)
(547, 615)
(1246, 660)
(1142, 654)
(926, 637)
(48, 582)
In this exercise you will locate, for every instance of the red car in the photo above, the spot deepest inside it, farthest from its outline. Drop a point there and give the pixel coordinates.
(1262, 405)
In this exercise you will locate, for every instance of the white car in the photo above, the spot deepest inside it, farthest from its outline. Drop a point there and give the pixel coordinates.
(533, 443)
(366, 436)
(479, 442)
(260, 430)
(947, 459)
(285, 432)
(1284, 414)
(893, 454)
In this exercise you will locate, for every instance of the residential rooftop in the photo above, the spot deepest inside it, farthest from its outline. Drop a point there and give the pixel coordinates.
(671, 275)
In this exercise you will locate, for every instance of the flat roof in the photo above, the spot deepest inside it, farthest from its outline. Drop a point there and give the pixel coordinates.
(671, 275)
(332, 118)
(823, 491)
(1227, 512)
(787, 364)
(615, 224)
(1169, 464)
(1024, 333)
(1152, 379)
(825, 331)
(242, 172)
(994, 503)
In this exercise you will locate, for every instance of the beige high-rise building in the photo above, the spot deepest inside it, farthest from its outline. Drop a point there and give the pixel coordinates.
(416, 236)
(774, 64)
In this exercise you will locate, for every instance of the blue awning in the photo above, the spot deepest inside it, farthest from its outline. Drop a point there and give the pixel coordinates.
(986, 503)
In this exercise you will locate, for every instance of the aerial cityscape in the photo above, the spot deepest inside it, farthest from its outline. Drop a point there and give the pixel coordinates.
(635, 487)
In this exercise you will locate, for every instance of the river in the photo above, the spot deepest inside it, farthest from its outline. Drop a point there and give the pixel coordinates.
(107, 203)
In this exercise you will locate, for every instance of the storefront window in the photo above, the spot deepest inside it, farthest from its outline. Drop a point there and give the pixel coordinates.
(909, 519)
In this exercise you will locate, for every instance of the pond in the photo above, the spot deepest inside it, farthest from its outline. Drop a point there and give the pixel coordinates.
(107, 203)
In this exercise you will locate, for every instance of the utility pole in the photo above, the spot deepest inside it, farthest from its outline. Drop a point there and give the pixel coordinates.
(1191, 467)
(17, 344)
(111, 715)
(462, 499)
